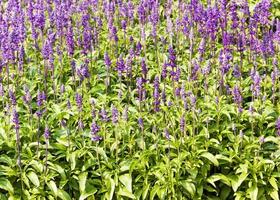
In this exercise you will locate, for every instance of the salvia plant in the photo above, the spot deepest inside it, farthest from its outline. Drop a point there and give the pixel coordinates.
(139, 99)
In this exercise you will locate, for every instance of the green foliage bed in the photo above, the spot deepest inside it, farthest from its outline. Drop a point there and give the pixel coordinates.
(139, 99)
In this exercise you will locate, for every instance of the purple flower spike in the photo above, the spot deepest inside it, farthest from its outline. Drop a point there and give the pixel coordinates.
(277, 125)
(115, 115)
(156, 94)
(47, 133)
(15, 119)
(79, 101)
(166, 133)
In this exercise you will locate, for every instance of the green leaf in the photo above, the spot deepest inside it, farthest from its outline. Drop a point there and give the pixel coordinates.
(53, 187)
(236, 183)
(216, 177)
(126, 193)
(253, 192)
(189, 187)
(73, 160)
(33, 178)
(63, 195)
(110, 184)
(82, 181)
(210, 157)
(90, 190)
(126, 181)
(145, 191)
(5, 184)
(154, 192)
(273, 183)
(274, 195)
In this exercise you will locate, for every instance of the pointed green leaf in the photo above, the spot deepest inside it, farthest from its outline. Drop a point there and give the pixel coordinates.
(236, 183)
(63, 195)
(53, 187)
(210, 157)
(126, 181)
(5, 184)
(253, 192)
(33, 178)
(274, 195)
(82, 181)
(273, 183)
(189, 187)
(126, 193)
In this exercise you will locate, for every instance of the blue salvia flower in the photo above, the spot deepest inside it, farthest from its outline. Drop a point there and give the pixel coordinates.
(167, 134)
(47, 133)
(103, 115)
(115, 115)
(141, 123)
(182, 123)
(156, 95)
(15, 119)
(94, 129)
(12, 98)
(79, 101)
(277, 125)
(255, 87)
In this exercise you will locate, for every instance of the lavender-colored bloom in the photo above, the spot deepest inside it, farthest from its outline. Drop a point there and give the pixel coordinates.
(172, 57)
(237, 96)
(261, 12)
(140, 89)
(12, 98)
(69, 104)
(62, 88)
(156, 95)
(63, 123)
(15, 119)
(79, 101)
(120, 66)
(27, 96)
(103, 115)
(166, 134)
(125, 113)
(163, 96)
(144, 69)
(124, 24)
(236, 71)
(107, 61)
(40, 98)
(85, 71)
(1, 90)
(178, 91)
(47, 50)
(115, 115)
(206, 70)
(142, 13)
(169, 104)
(47, 133)
(141, 123)
(255, 87)
(114, 34)
(277, 125)
(164, 71)
(182, 124)
(96, 138)
(70, 40)
(81, 124)
(94, 128)
(195, 70)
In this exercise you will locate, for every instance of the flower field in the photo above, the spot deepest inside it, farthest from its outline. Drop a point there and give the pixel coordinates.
(139, 99)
